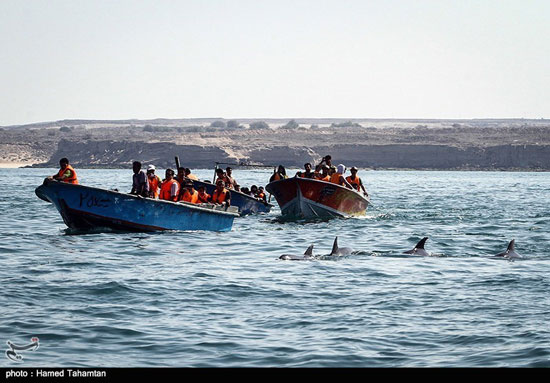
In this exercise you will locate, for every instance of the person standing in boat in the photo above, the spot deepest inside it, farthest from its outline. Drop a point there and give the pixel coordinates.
(229, 180)
(140, 182)
(222, 176)
(326, 160)
(338, 177)
(308, 173)
(355, 181)
(66, 173)
(278, 174)
(221, 195)
(154, 182)
(169, 190)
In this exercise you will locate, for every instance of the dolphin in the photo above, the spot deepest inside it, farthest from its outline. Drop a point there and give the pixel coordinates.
(419, 248)
(307, 255)
(339, 251)
(510, 252)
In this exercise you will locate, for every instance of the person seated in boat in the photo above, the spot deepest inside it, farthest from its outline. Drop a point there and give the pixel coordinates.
(221, 195)
(154, 182)
(307, 173)
(253, 191)
(169, 190)
(355, 181)
(245, 190)
(338, 177)
(189, 193)
(66, 172)
(203, 196)
(261, 194)
(278, 174)
(323, 176)
(231, 183)
(140, 182)
(190, 175)
(326, 160)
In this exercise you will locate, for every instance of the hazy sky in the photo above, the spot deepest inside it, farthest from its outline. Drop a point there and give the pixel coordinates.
(120, 59)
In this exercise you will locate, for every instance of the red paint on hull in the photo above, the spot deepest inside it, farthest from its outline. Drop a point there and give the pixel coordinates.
(308, 198)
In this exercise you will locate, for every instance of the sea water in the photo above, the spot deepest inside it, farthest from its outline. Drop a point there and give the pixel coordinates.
(207, 299)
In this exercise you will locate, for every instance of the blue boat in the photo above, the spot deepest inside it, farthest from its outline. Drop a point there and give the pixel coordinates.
(85, 208)
(246, 204)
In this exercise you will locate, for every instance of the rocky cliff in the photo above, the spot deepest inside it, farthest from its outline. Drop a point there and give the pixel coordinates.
(121, 154)
(398, 144)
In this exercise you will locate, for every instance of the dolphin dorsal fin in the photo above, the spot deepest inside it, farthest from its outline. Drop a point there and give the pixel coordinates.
(334, 246)
(512, 245)
(420, 245)
(309, 250)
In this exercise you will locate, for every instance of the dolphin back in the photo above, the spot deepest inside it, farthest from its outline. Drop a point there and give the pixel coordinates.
(334, 247)
(420, 244)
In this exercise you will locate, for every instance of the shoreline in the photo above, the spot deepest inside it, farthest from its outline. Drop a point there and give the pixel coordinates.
(16, 165)
(23, 165)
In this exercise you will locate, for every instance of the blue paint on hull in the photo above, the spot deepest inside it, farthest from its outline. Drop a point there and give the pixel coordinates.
(84, 208)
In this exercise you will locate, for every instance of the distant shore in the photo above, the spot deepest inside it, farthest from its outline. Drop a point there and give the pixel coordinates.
(421, 144)
(14, 165)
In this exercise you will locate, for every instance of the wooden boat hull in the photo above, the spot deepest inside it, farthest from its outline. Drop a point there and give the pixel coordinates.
(246, 204)
(309, 198)
(85, 208)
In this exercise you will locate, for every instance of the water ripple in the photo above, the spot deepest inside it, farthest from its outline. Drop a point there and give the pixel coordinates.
(225, 299)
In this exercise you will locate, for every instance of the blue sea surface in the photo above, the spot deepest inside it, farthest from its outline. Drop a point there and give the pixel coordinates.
(207, 299)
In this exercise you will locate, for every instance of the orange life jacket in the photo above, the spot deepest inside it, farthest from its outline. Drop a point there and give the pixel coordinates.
(356, 183)
(335, 178)
(203, 197)
(166, 190)
(325, 178)
(188, 196)
(260, 195)
(72, 179)
(219, 197)
(154, 185)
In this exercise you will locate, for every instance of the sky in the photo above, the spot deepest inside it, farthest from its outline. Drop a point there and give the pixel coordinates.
(97, 59)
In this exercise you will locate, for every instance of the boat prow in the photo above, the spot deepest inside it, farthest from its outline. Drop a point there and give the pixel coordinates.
(84, 208)
(311, 198)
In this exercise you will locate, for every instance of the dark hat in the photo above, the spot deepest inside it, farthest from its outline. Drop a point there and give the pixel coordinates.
(353, 168)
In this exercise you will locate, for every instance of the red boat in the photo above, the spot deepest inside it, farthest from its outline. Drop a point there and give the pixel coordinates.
(310, 198)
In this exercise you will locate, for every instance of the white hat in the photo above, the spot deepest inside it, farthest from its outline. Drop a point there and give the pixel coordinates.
(150, 167)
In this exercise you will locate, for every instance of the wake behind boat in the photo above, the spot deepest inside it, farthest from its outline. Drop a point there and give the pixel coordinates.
(85, 208)
(310, 198)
